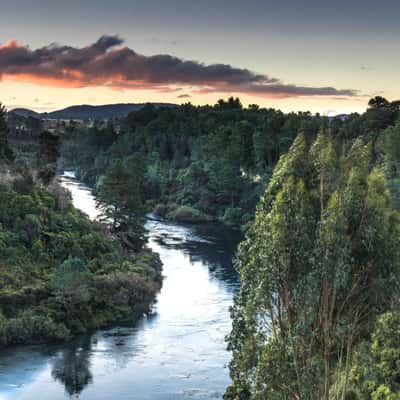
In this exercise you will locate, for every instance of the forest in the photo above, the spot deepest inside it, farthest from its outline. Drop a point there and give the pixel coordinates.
(200, 163)
(204, 163)
(317, 313)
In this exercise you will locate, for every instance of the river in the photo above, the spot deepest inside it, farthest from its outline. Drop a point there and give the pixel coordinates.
(176, 352)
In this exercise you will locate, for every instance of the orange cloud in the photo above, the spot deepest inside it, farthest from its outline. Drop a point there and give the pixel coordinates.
(106, 63)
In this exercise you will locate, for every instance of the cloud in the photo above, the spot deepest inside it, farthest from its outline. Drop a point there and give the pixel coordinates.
(279, 90)
(184, 96)
(109, 63)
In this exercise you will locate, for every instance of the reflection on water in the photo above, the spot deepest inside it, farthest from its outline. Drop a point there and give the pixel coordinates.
(176, 352)
(71, 366)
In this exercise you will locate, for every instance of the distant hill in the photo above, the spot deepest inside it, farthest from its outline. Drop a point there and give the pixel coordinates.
(25, 112)
(106, 111)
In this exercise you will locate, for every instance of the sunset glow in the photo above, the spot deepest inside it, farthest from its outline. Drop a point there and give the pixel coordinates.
(160, 60)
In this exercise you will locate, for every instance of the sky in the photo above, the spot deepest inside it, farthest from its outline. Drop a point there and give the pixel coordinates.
(320, 56)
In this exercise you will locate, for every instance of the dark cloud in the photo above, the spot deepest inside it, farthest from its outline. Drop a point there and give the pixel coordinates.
(280, 90)
(108, 63)
(184, 96)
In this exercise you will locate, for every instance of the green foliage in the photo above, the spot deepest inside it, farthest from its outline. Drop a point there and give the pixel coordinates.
(32, 328)
(52, 260)
(6, 153)
(188, 214)
(70, 283)
(392, 143)
(319, 262)
(208, 158)
(375, 373)
(119, 197)
(120, 191)
(47, 156)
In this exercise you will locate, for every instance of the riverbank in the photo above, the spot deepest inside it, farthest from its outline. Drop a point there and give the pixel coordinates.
(62, 274)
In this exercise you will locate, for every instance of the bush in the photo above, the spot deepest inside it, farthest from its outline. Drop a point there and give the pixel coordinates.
(233, 216)
(31, 328)
(375, 372)
(189, 215)
(70, 282)
(123, 289)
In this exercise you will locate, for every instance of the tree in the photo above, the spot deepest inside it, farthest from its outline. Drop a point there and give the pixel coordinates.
(70, 283)
(231, 104)
(242, 139)
(320, 259)
(380, 114)
(391, 143)
(377, 102)
(120, 198)
(5, 150)
(135, 168)
(141, 117)
(375, 371)
(112, 196)
(48, 156)
(390, 147)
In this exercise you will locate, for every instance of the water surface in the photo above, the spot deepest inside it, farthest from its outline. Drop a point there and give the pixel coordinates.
(176, 352)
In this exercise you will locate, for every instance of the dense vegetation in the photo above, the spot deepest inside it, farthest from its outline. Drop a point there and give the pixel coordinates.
(60, 274)
(317, 315)
(201, 163)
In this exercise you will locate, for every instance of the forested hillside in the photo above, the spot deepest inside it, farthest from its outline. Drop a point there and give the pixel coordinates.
(203, 163)
(317, 315)
(60, 274)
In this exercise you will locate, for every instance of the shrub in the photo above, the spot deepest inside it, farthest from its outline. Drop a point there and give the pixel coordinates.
(31, 328)
(189, 215)
(70, 283)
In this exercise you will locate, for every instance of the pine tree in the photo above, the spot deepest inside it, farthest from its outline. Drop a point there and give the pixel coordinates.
(112, 194)
(120, 198)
